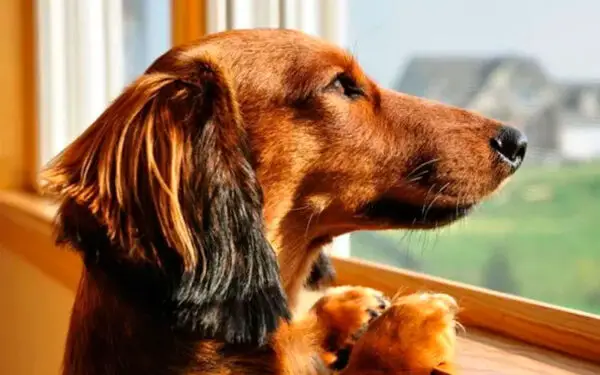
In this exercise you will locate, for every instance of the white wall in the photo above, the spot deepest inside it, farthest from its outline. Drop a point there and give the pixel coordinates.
(580, 142)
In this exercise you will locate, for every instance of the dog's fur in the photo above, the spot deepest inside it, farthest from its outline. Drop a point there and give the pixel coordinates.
(203, 195)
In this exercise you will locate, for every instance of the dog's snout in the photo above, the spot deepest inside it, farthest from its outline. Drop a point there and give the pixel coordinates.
(511, 144)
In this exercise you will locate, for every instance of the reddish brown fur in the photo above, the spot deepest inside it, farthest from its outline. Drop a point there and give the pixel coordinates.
(388, 346)
(321, 158)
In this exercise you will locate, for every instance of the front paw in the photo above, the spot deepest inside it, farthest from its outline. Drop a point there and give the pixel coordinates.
(343, 315)
(416, 335)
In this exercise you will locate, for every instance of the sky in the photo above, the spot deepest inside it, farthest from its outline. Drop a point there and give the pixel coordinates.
(564, 35)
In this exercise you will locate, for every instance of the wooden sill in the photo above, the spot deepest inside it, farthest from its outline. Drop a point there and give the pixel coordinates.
(25, 228)
(482, 352)
(567, 331)
(506, 335)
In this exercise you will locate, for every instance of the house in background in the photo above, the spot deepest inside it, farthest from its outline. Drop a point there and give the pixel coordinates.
(560, 121)
(580, 121)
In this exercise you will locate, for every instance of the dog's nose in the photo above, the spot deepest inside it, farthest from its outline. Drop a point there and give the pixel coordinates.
(511, 145)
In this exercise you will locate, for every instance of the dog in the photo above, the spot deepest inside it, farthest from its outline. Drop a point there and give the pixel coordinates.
(201, 199)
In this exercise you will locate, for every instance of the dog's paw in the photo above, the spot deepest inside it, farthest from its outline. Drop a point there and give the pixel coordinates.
(343, 315)
(416, 335)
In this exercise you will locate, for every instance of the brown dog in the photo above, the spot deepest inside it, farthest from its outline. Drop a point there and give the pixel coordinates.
(202, 196)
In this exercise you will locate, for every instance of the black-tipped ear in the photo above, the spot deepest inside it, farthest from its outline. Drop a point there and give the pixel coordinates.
(166, 173)
(322, 273)
(234, 293)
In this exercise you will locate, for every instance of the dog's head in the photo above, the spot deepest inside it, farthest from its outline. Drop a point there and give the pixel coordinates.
(248, 139)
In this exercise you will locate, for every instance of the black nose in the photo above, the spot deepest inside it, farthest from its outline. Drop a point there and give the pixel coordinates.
(511, 145)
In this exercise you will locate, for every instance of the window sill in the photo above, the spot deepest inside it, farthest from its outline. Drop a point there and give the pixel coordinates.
(516, 328)
(483, 352)
(25, 228)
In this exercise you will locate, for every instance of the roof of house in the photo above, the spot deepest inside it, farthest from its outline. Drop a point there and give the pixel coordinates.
(452, 79)
(572, 94)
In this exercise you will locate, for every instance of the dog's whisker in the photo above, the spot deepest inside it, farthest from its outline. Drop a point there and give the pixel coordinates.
(436, 238)
(417, 176)
(308, 223)
(422, 165)
(302, 208)
(435, 198)
(425, 204)
(458, 204)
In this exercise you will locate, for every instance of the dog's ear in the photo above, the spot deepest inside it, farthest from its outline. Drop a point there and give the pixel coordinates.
(166, 174)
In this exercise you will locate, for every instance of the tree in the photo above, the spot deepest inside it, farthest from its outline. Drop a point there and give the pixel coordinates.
(497, 273)
(379, 248)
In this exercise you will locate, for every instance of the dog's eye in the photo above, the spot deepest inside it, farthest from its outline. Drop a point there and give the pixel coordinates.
(345, 85)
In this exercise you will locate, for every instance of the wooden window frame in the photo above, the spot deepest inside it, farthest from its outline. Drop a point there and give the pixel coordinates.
(18, 145)
(26, 218)
(188, 20)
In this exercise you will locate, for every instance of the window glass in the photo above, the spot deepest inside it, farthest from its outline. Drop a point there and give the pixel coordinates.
(530, 63)
(88, 51)
(147, 33)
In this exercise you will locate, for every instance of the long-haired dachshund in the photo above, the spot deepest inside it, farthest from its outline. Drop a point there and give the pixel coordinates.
(201, 198)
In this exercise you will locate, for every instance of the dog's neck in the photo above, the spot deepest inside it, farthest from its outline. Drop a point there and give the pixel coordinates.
(297, 257)
(118, 324)
(300, 232)
(130, 317)
(111, 335)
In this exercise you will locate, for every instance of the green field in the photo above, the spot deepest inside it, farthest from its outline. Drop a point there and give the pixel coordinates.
(538, 238)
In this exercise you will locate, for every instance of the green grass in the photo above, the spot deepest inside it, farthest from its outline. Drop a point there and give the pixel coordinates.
(539, 238)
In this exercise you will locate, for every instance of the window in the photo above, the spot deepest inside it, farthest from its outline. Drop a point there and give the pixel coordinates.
(88, 50)
(539, 237)
(324, 18)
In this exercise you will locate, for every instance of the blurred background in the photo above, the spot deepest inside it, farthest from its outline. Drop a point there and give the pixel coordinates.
(534, 64)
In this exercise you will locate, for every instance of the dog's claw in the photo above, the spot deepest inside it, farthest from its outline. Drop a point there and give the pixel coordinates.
(346, 313)
(416, 332)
